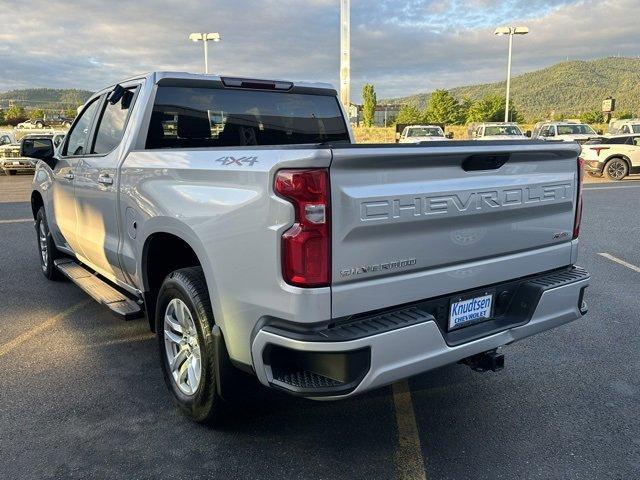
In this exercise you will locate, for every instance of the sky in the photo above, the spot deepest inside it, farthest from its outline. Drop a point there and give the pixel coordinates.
(402, 47)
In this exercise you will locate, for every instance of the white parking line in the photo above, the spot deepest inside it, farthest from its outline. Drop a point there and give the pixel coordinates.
(408, 454)
(621, 187)
(620, 261)
(16, 220)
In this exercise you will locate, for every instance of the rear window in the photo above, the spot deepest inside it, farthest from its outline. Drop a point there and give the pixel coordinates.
(209, 117)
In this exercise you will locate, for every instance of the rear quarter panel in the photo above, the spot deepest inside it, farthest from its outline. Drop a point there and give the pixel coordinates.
(221, 202)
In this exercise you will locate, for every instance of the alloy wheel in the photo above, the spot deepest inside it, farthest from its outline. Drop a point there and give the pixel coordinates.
(182, 347)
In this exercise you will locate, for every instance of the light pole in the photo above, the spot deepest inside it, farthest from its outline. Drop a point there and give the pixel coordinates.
(345, 52)
(511, 31)
(205, 38)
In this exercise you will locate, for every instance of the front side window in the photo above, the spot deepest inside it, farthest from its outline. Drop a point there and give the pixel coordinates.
(211, 117)
(79, 135)
(112, 123)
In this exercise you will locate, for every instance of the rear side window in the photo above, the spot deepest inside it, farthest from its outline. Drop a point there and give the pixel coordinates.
(111, 124)
(209, 117)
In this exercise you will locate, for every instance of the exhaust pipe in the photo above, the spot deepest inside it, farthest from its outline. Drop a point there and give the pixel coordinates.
(485, 361)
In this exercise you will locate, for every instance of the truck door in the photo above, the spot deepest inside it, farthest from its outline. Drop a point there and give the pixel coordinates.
(97, 186)
(62, 221)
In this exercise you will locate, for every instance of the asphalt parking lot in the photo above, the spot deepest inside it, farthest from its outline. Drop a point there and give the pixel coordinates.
(82, 394)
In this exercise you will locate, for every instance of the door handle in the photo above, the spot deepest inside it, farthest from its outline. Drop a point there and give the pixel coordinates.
(68, 176)
(105, 179)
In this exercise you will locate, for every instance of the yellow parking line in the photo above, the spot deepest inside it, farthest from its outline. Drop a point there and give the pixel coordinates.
(620, 261)
(20, 339)
(408, 454)
(17, 220)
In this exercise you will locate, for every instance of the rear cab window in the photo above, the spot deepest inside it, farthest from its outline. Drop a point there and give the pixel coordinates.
(185, 117)
(113, 121)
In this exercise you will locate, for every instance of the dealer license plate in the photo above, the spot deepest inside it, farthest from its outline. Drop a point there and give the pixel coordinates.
(470, 310)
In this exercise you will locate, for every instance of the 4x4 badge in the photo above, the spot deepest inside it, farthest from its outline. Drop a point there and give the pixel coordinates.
(240, 161)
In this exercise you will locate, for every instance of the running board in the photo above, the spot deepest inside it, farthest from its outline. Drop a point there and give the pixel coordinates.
(119, 304)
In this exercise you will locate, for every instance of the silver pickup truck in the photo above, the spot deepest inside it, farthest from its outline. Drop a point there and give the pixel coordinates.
(241, 218)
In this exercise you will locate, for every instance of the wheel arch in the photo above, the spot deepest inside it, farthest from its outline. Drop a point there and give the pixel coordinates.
(620, 156)
(37, 202)
(166, 250)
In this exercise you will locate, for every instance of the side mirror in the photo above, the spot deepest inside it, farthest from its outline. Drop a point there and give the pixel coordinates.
(599, 132)
(527, 133)
(39, 148)
(449, 135)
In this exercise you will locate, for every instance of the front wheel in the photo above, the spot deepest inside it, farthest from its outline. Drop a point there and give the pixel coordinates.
(39, 125)
(46, 247)
(616, 169)
(184, 321)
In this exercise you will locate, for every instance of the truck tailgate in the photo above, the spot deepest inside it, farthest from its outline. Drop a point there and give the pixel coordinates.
(410, 223)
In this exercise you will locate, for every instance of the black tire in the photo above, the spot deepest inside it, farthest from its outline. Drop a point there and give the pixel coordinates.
(39, 125)
(11, 172)
(616, 169)
(189, 285)
(46, 265)
(595, 174)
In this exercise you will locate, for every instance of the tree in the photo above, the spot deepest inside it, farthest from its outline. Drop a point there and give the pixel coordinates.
(369, 106)
(443, 108)
(70, 112)
(1, 117)
(409, 114)
(14, 115)
(37, 113)
(490, 108)
(593, 116)
(624, 115)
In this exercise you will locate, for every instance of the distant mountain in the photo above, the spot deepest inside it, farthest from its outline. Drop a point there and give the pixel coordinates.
(566, 89)
(45, 98)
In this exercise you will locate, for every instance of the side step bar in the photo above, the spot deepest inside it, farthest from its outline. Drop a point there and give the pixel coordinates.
(119, 304)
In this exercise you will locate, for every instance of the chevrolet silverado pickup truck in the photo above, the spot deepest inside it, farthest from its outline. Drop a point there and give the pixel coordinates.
(239, 216)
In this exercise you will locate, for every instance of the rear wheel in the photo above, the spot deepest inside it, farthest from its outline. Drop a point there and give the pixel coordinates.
(46, 247)
(616, 169)
(39, 125)
(184, 322)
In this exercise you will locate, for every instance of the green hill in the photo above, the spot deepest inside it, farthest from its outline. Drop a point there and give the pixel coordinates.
(565, 89)
(45, 98)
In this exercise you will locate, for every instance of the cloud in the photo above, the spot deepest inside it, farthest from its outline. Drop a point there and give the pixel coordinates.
(402, 48)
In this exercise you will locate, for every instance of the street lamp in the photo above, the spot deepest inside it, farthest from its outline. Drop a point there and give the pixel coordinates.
(511, 31)
(205, 38)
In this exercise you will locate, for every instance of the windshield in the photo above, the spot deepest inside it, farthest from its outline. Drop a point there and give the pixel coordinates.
(635, 128)
(425, 132)
(575, 130)
(502, 130)
(212, 117)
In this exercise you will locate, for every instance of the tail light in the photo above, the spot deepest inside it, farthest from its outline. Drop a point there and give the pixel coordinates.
(306, 247)
(597, 150)
(578, 219)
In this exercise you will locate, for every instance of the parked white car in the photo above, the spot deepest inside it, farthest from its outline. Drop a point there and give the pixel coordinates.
(617, 127)
(615, 157)
(496, 131)
(422, 133)
(565, 131)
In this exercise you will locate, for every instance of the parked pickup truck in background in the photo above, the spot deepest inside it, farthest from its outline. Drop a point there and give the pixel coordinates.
(273, 246)
(496, 131)
(422, 133)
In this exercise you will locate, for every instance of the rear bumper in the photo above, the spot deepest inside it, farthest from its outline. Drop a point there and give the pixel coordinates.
(367, 360)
